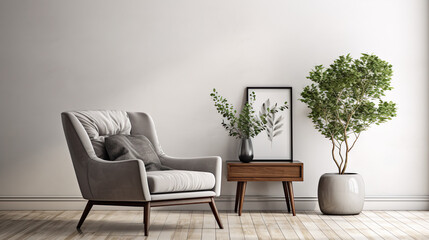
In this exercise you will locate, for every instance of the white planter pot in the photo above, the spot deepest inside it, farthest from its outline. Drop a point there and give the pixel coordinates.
(341, 194)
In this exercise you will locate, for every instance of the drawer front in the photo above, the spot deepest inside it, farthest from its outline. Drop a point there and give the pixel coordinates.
(265, 173)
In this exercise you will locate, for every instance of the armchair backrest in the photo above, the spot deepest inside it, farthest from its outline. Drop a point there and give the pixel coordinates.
(85, 132)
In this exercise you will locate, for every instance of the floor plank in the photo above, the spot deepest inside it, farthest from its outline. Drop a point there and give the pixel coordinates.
(260, 227)
(170, 225)
(196, 225)
(335, 227)
(312, 227)
(209, 226)
(398, 224)
(413, 223)
(182, 227)
(235, 228)
(157, 225)
(285, 226)
(202, 225)
(299, 228)
(272, 226)
(364, 229)
(223, 234)
(249, 230)
(397, 232)
(325, 228)
(375, 227)
(347, 227)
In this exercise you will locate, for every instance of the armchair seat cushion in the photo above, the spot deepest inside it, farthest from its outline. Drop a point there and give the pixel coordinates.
(179, 181)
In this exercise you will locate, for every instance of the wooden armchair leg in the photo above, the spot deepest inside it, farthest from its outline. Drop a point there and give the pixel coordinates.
(146, 218)
(215, 213)
(88, 207)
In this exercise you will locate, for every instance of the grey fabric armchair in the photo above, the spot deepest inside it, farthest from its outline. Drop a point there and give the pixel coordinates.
(126, 182)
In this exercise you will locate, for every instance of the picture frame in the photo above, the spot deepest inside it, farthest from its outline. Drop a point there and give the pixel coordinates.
(275, 143)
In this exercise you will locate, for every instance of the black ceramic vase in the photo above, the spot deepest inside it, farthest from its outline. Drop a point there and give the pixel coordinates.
(245, 153)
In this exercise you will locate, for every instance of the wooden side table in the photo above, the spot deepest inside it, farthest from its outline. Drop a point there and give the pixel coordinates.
(286, 172)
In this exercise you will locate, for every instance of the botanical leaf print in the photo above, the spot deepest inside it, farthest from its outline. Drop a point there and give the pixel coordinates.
(274, 122)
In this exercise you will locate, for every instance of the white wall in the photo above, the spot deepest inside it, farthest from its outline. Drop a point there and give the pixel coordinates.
(164, 57)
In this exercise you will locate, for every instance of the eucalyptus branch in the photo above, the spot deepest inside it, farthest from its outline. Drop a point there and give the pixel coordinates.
(246, 124)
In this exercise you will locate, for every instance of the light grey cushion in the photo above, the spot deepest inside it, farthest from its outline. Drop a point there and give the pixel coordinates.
(124, 147)
(179, 181)
(100, 124)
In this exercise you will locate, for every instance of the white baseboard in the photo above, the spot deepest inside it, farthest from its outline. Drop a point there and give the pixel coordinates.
(225, 202)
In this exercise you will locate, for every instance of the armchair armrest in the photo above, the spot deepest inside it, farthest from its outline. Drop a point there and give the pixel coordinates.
(118, 180)
(212, 164)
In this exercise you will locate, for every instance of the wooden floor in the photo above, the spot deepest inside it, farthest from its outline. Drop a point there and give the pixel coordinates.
(202, 225)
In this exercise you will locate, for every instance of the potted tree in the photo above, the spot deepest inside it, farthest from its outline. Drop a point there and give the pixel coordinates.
(247, 124)
(345, 99)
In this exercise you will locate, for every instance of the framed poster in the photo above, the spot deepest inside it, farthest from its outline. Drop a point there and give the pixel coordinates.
(275, 143)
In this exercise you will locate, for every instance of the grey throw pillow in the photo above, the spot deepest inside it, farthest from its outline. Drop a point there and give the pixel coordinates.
(123, 147)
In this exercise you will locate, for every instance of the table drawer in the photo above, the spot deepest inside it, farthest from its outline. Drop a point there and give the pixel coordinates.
(265, 172)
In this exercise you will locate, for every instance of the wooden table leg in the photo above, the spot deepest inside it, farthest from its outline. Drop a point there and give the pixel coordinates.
(237, 196)
(286, 191)
(243, 190)
(292, 200)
